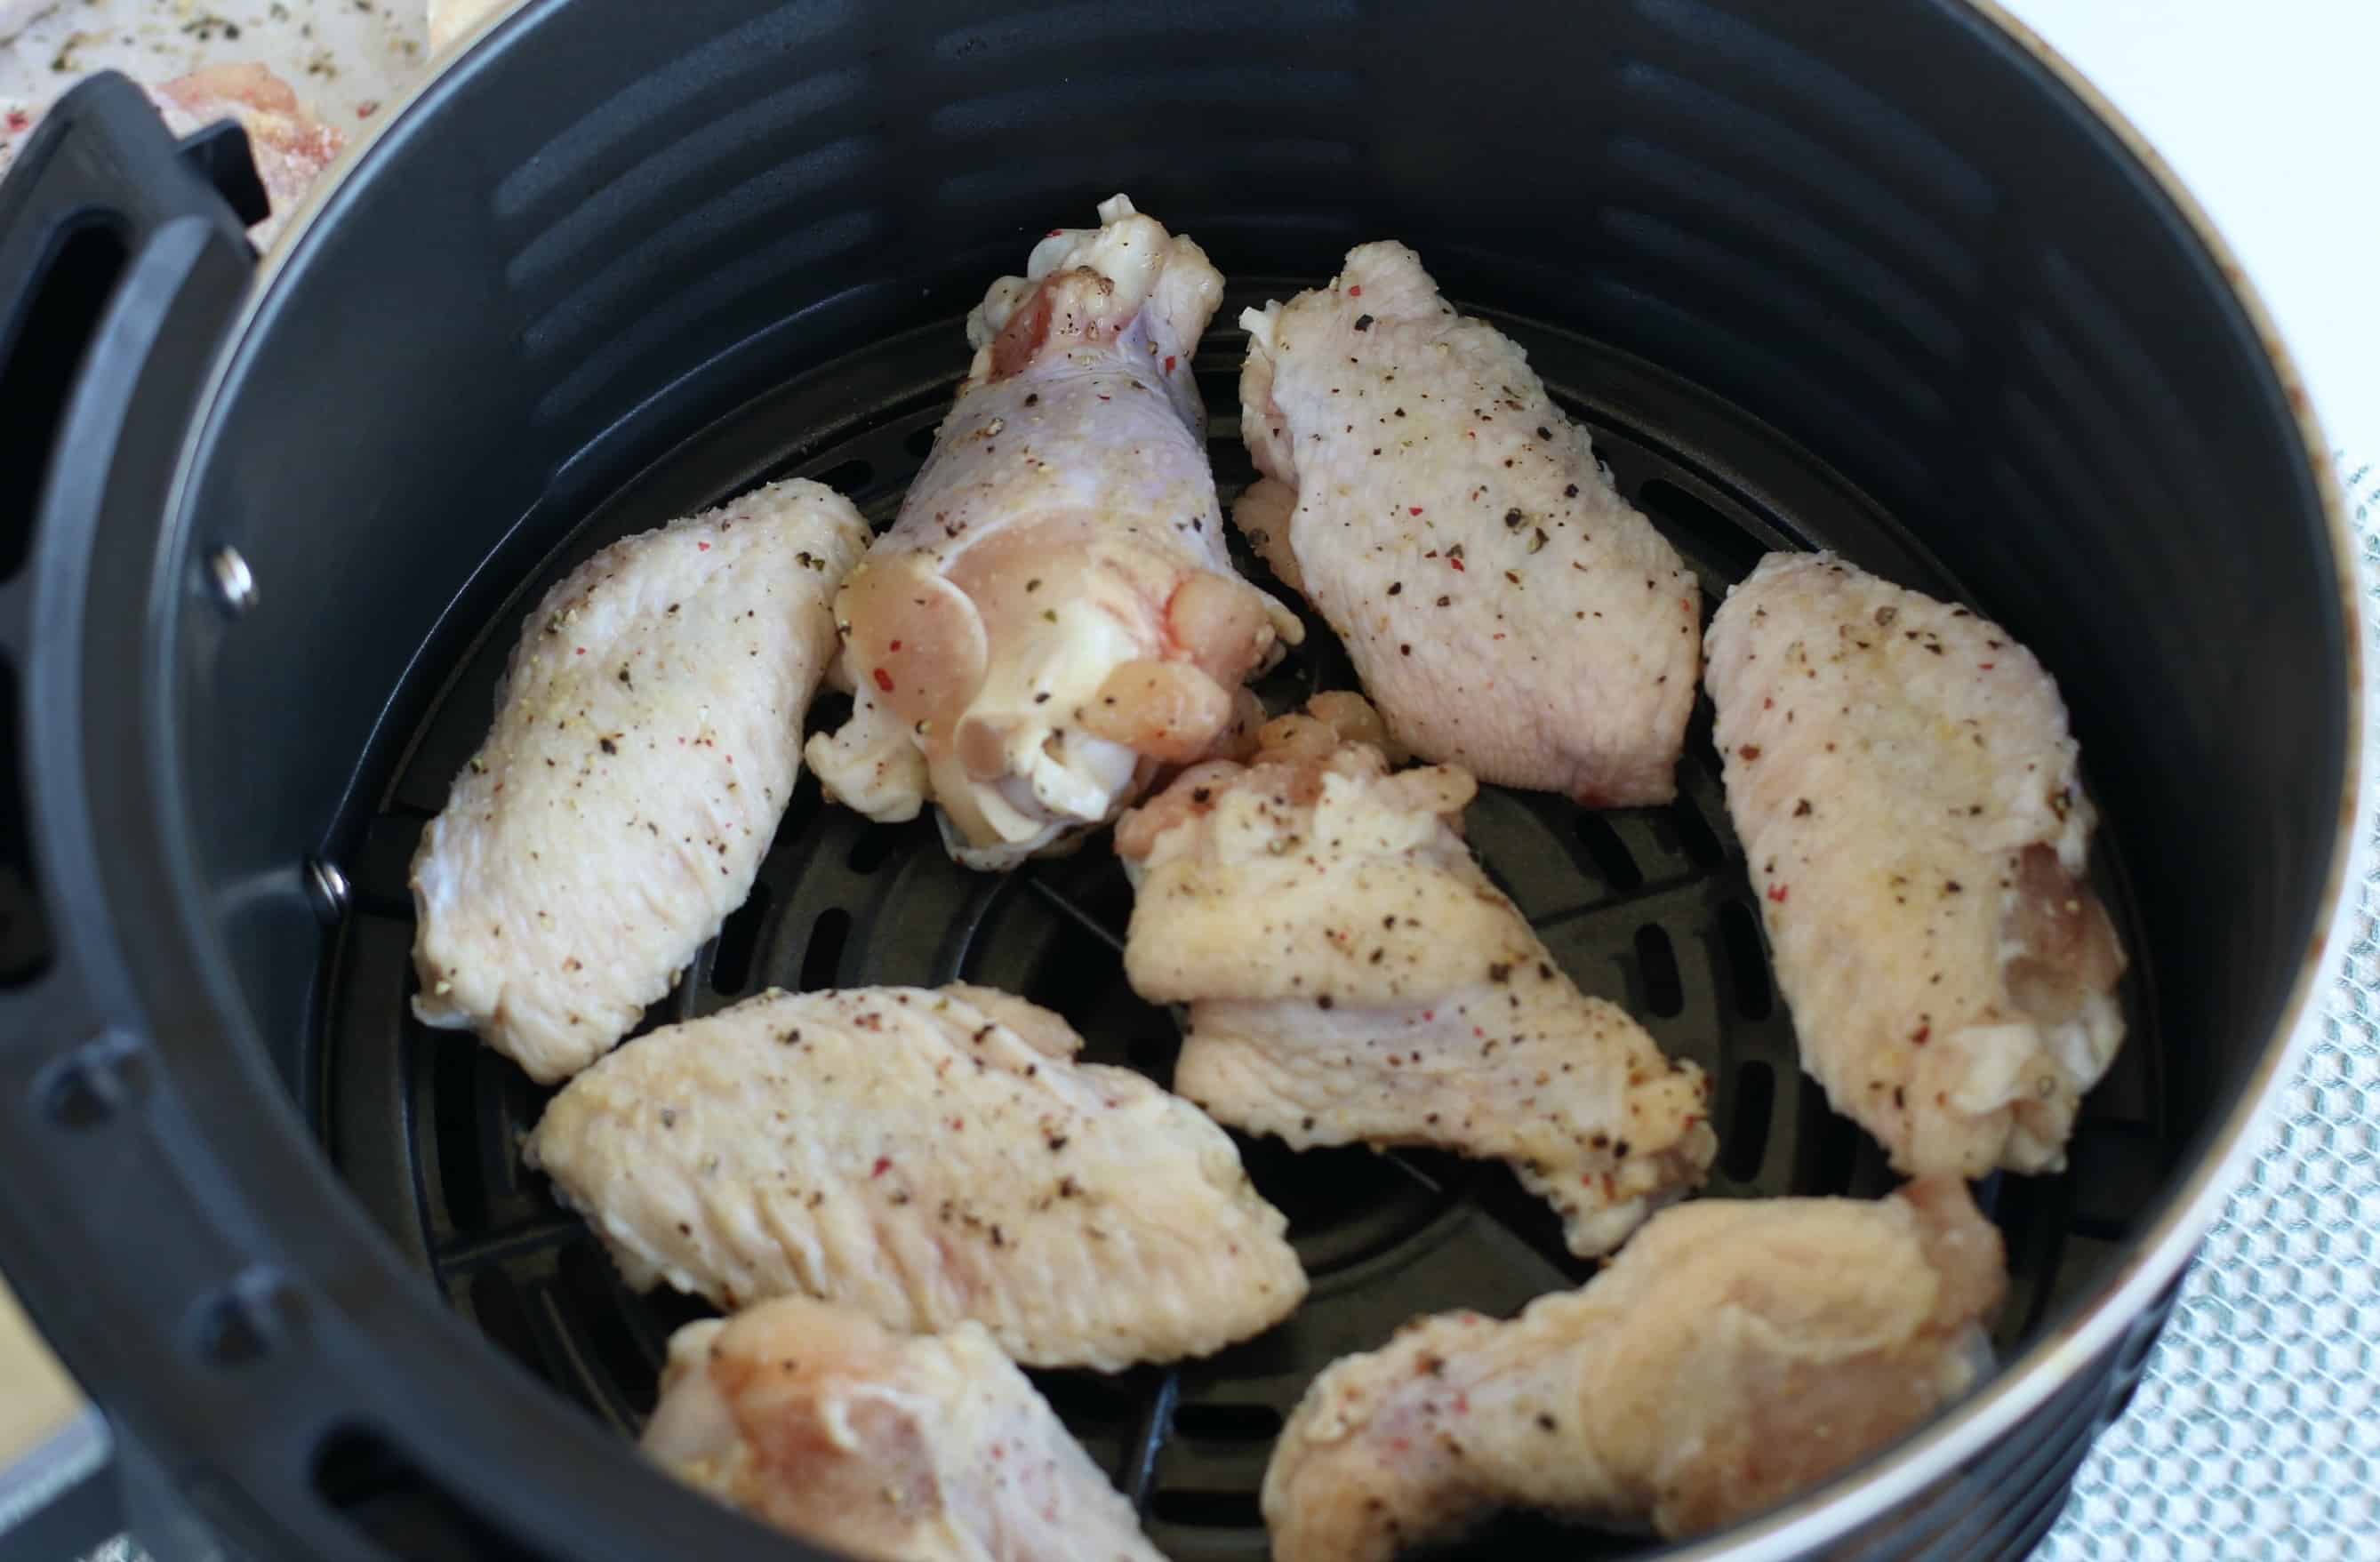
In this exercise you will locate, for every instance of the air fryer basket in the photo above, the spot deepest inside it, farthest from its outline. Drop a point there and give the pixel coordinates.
(1867, 277)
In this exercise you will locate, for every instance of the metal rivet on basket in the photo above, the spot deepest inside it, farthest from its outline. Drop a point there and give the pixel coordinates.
(92, 1086)
(242, 1323)
(234, 582)
(327, 888)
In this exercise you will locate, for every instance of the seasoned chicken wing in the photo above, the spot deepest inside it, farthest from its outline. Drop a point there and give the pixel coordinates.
(1735, 1352)
(926, 1157)
(646, 742)
(1507, 609)
(928, 1449)
(1904, 784)
(1054, 616)
(1352, 977)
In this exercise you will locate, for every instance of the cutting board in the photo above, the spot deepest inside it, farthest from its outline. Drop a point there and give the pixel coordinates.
(36, 1397)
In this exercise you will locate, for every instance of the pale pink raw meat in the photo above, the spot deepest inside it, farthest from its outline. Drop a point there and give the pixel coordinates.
(1505, 608)
(1353, 977)
(1053, 617)
(1909, 796)
(291, 147)
(1736, 1352)
(897, 1448)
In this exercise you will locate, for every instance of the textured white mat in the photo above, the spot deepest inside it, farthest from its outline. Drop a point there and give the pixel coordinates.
(2256, 1431)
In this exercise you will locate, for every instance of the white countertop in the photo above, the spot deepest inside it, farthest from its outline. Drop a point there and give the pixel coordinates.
(2264, 109)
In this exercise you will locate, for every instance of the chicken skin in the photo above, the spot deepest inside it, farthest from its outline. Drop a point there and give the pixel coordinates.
(925, 1156)
(1353, 977)
(646, 742)
(932, 1448)
(1505, 608)
(1900, 774)
(1054, 616)
(1734, 1353)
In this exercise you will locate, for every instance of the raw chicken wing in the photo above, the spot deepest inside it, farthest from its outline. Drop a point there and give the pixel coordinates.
(1506, 608)
(1734, 1353)
(646, 742)
(932, 1448)
(1901, 776)
(924, 1158)
(1352, 977)
(1053, 615)
(289, 146)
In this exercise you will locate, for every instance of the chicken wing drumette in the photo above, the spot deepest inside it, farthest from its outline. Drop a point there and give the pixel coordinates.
(1055, 616)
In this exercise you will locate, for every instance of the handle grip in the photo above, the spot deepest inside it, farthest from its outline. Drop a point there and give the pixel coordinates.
(123, 253)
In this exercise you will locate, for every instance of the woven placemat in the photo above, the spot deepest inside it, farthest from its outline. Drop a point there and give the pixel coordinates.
(2256, 1429)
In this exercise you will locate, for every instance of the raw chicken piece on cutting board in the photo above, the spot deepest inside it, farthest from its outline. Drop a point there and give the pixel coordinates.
(1505, 608)
(290, 147)
(449, 20)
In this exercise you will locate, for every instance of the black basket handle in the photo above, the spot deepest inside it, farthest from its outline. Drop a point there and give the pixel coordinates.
(115, 241)
(123, 254)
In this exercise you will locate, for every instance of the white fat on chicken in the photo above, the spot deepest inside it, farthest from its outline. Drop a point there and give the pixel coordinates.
(645, 743)
(1507, 609)
(1901, 776)
(1353, 977)
(1053, 616)
(927, 1157)
(821, 1423)
(1736, 1352)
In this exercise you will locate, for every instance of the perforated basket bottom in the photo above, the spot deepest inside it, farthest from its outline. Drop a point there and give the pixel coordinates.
(1648, 907)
